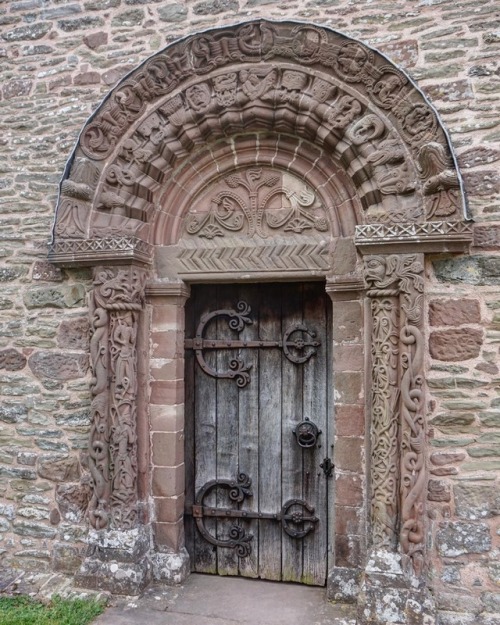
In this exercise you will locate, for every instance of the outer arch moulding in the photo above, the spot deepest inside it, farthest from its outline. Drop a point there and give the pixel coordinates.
(270, 78)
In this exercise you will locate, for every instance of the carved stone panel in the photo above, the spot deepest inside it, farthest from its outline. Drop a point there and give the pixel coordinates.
(256, 202)
(398, 475)
(116, 302)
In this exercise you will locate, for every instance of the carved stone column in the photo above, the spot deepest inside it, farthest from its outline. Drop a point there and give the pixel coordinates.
(117, 557)
(393, 576)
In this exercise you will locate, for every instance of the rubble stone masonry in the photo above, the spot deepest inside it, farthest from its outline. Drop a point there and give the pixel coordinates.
(58, 59)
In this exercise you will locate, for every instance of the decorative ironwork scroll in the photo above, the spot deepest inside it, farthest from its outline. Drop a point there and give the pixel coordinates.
(297, 350)
(398, 464)
(296, 516)
(116, 302)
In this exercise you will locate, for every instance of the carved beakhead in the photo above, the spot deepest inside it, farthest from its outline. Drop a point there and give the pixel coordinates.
(252, 80)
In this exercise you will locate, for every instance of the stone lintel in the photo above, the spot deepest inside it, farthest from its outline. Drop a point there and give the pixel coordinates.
(108, 251)
(429, 237)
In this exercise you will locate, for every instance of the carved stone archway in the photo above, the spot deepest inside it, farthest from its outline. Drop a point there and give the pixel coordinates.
(263, 151)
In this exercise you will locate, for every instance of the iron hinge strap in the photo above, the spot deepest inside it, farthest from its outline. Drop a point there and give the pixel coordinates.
(199, 512)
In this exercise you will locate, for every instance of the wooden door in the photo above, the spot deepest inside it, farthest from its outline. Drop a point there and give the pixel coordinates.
(257, 384)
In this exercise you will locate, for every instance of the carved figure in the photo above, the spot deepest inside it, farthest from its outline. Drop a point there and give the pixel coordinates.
(292, 86)
(387, 90)
(225, 88)
(72, 218)
(256, 82)
(344, 111)
(368, 128)
(352, 62)
(322, 90)
(116, 299)
(441, 180)
(198, 97)
(419, 123)
(82, 181)
(395, 180)
(389, 151)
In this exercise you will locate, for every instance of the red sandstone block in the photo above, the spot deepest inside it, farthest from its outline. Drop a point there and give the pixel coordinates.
(454, 312)
(348, 490)
(167, 418)
(455, 345)
(348, 551)
(347, 454)
(169, 509)
(350, 420)
(168, 481)
(348, 520)
(169, 534)
(167, 392)
(168, 344)
(347, 357)
(348, 387)
(168, 448)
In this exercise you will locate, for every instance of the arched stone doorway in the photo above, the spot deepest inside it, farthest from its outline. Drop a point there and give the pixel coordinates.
(264, 152)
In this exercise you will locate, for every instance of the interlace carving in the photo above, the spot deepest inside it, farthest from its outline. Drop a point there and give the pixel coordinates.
(257, 200)
(117, 299)
(398, 428)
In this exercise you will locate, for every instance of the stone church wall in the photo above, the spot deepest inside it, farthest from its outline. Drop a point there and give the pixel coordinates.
(58, 59)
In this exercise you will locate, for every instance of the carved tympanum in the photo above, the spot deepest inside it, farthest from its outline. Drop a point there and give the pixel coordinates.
(257, 202)
(397, 430)
(116, 302)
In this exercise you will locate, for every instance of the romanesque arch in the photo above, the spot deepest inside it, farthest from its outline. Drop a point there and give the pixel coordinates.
(265, 150)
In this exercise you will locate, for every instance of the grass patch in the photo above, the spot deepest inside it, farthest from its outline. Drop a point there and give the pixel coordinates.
(26, 611)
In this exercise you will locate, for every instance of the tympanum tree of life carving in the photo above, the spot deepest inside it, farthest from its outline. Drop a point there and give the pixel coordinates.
(257, 202)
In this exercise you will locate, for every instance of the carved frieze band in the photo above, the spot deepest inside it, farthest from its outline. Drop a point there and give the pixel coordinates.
(398, 474)
(116, 301)
(80, 252)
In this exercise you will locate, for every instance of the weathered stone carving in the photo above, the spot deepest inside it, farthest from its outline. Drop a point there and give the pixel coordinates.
(279, 257)
(275, 97)
(442, 182)
(261, 204)
(70, 252)
(398, 463)
(117, 299)
(76, 193)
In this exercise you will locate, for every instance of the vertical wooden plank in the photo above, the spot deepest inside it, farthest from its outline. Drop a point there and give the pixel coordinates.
(315, 484)
(270, 433)
(189, 415)
(248, 443)
(205, 391)
(227, 428)
(292, 414)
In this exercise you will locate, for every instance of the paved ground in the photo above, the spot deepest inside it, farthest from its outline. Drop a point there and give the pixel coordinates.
(212, 600)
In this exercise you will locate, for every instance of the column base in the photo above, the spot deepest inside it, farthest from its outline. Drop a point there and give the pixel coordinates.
(389, 597)
(117, 561)
(170, 567)
(343, 585)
